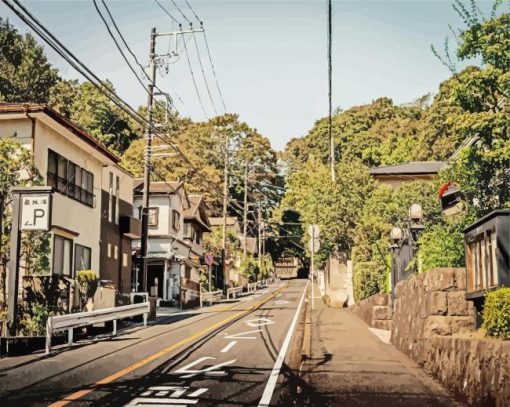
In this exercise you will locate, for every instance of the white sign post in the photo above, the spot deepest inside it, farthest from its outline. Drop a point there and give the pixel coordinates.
(314, 232)
(31, 211)
(35, 211)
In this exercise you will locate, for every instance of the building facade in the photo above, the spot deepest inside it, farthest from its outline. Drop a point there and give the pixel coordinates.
(78, 169)
(176, 226)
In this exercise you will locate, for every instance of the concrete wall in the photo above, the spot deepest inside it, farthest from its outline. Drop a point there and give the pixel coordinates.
(431, 324)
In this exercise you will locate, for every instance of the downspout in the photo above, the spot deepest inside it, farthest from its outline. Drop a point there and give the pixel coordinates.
(32, 135)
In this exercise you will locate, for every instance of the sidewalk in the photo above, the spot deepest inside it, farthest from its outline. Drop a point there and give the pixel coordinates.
(345, 364)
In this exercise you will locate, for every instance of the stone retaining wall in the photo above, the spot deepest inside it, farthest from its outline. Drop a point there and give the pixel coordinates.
(376, 311)
(430, 325)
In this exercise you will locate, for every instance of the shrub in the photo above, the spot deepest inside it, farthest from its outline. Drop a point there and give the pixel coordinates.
(36, 324)
(496, 313)
(369, 278)
(442, 246)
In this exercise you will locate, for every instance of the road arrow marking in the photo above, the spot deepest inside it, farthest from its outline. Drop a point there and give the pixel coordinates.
(240, 335)
(228, 347)
(259, 322)
(212, 370)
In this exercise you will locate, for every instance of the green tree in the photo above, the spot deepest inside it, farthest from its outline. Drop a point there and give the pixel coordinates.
(17, 170)
(335, 207)
(25, 73)
(90, 109)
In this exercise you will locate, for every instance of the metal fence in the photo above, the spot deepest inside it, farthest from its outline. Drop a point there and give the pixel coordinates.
(69, 322)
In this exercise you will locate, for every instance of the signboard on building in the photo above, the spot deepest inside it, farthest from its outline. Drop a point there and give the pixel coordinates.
(209, 259)
(35, 211)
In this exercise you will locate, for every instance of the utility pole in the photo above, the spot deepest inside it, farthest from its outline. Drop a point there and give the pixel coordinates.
(260, 235)
(245, 210)
(151, 75)
(147, 160)
(225, 205)
(330, 70)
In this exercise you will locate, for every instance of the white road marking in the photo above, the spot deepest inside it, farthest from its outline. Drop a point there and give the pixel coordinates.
(265, 400)
(212, 370)
(281, 302)
(174, 400)
(229, 346)
(259, 322)
(240, 335)
(198, 392)
(150, 401)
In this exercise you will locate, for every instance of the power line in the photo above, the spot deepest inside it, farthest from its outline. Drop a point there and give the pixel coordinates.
(80, 67)
(128, 48)
(193, 11)
(203, 74)
(189, 61)
(167, 12)
(117, 44)
(214, 72)
(182, 14)
(194, 81)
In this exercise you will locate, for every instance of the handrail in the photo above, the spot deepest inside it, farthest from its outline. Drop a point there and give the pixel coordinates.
(80, 319)
(234, 291)
(210, 296)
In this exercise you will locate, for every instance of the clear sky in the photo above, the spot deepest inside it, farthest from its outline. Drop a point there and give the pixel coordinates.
(270, 56)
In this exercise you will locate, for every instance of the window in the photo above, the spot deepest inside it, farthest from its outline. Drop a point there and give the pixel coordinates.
(82, 255)
(70, 179)
(189, 231)
(109, 250)
(116, 252)
(110, 199)
(62, 255)
(176, 220)
(153, 216)
(124, 260)
(117, 204)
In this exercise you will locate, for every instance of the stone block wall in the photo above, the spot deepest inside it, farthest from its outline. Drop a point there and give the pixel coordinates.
(376, 311)
(430, 304)
(431, 323)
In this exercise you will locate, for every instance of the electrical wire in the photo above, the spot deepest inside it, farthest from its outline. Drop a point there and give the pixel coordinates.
(203, 74)
(194, 81)
(193, 11)
(214, 71)
(167, 12)
(80, 67)
(118, 46)
(129, 48)
(182, 14)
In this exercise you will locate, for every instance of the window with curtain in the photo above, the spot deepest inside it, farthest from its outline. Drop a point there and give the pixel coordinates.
(70, 179)
(62, 256)
(82, 256)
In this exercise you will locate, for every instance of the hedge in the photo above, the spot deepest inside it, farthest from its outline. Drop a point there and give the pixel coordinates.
(496, 313)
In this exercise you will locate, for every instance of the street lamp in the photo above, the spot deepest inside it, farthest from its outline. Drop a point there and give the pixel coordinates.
(404, 244)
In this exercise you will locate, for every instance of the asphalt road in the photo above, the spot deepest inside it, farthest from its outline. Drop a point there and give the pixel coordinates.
(226, 355)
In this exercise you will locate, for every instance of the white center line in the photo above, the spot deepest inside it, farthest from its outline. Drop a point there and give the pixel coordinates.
(229, 346)
(265, 400)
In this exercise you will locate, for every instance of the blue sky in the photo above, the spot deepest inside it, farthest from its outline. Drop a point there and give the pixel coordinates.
(270, 56)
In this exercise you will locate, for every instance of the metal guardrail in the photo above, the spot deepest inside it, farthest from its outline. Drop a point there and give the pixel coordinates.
(234, 291)
(250, 287)
(210, 296)
(80, 319)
